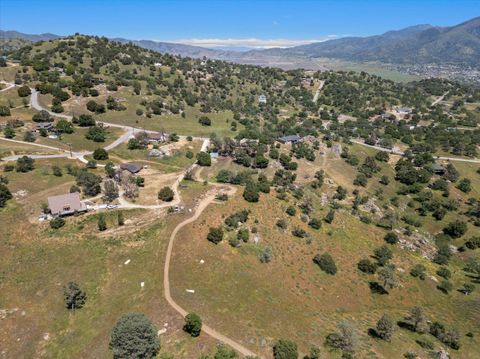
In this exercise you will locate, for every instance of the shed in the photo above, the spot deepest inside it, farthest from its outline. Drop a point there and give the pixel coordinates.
(131, 167)
(289, 139)
(438, 169)
(44, 126)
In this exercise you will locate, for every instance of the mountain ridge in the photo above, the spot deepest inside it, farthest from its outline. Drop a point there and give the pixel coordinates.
(418, 44)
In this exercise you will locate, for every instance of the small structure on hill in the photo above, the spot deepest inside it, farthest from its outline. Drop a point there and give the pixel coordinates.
(438, 169)
(157, 137)
(131, 167)
(245, 142)
(47, 126)
(66, 204)
(289, 139)
(404, 110)
(158, 152)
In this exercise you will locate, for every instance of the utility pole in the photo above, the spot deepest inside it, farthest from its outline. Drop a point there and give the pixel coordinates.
(70, 146)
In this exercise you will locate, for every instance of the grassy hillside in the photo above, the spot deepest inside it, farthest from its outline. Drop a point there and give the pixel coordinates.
(338, 191)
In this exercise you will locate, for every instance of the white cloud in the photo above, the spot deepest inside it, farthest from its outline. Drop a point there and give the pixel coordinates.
(251, 42)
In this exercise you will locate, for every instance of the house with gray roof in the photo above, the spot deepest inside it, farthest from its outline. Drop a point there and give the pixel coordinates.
(66, 204)
(131, 167)
(290, 139)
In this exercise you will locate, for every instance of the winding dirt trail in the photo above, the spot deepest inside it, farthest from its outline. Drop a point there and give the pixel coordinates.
(166, 272)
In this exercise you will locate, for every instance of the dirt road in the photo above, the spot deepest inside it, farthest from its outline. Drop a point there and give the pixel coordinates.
(166, 276)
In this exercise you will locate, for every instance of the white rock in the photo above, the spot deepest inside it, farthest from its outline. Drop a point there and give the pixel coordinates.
(202, 261)
(127, 261)
(142, 284)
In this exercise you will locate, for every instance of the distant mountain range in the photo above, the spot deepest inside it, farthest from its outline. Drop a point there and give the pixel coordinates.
(421, 44)
(28, 37)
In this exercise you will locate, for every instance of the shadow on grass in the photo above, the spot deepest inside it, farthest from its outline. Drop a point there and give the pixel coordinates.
(405, 325)
(376, 288)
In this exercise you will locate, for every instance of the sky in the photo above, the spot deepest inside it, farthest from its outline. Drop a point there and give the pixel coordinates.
(241, 23)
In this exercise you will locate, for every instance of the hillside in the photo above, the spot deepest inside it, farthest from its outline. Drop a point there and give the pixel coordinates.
(413, 46)
(423, 44)
(334, 213)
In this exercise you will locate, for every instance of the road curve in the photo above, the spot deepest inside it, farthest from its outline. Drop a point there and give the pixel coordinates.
(166, 276)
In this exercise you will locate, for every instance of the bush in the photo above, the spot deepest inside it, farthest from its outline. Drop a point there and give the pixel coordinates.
(367, 266)
(455, 229)
(418, 271)
(383, 255)
(4, 111)
(315, 223)
(23, 91)
(134, 336)
(102, 224)
(298, 232)
(203, 159)
(444, 273)
(384, 328)
(57, 223)
(96, 134)
(465, 185)
(391, 238)
(250, 194)
(57, 171)
(326, 263)
(24, 164)
(330, 216)
(100, 154)
(9, 132)
(243, 235)
(85, 121)
(285, 349)
(266, 255)
(204, 121)
(5, 195)
(291, 210)
(75, 297)
(193, 324)
(215, 234)
(166, 194)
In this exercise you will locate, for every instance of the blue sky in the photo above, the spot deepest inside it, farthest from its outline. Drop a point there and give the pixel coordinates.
(261, 23)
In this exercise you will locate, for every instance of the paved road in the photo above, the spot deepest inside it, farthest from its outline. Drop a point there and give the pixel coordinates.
(129, 129)
(317, 94)
(400, 153)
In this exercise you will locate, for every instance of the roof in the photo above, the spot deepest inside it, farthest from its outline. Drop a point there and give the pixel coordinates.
(66, 204)
(404, 109)
(44, 125)
(437, 167)
(290, 138)
(131, 167)
(157, 136)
